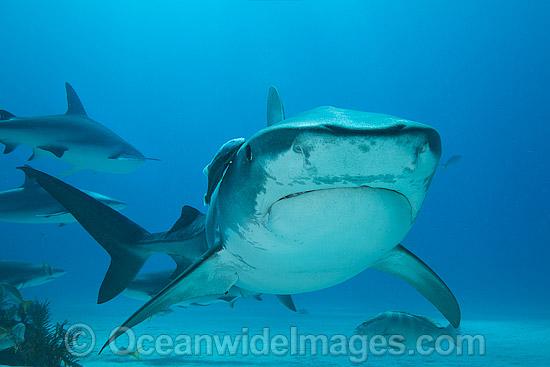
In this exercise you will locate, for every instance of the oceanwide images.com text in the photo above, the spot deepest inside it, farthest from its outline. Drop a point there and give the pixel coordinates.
(81, 341)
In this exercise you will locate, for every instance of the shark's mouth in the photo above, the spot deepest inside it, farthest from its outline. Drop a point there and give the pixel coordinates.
(293, 195)
(363, 210)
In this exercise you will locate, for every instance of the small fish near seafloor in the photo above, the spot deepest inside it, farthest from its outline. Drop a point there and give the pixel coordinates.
(406, 325)
(9, 291)
(72, 137)
(451, 161)
(10, 338)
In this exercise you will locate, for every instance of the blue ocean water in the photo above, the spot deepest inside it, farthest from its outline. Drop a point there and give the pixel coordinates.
(178, 79)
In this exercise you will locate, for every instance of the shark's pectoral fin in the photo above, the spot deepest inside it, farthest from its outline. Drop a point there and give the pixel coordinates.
(5, 115)
(275, 110)
(287, 301)
(405, 265)
(209, 275)
(9, 147)
(37, 153)
(56, 150)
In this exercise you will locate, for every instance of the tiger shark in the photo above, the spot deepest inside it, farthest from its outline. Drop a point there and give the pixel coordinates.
(308, 203)
(23, 274)
(72, 137)
(30, 203)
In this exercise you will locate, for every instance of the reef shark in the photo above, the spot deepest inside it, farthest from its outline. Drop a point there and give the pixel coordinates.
(130, 245)
(30, 203)
(23, 274)
(72, 137)
(309, 202)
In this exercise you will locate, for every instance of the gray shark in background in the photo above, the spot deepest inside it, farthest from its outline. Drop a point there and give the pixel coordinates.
(30, 203)
(72, 137)
(130, 245)
(23, 274)
(311, 201)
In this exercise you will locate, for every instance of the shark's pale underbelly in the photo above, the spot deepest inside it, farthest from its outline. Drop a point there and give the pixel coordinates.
(319, 239)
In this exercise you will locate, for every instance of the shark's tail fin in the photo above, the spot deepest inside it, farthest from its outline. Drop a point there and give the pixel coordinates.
(117, 234)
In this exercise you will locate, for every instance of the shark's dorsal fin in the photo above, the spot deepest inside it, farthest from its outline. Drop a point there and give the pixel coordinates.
(188, 215)
(215, 170)
(74, 106)
(5, 115)
(275, 110)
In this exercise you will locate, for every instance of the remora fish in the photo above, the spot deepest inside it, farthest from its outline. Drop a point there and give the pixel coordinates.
(147, 285)
(30, 203)
(311, 201)
(72, 137)
(22, 274)
(130, 245)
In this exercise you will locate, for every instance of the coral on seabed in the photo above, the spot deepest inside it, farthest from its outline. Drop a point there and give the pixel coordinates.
(44, 341)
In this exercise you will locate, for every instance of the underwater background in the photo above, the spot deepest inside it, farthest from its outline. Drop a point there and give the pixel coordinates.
(178, 79)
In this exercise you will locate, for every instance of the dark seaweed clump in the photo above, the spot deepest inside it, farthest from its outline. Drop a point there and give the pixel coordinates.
(44, 343)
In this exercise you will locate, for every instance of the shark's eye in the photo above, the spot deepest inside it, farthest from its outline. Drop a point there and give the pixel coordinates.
(248, 152)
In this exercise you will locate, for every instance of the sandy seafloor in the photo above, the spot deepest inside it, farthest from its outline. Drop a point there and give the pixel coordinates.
(511, 340)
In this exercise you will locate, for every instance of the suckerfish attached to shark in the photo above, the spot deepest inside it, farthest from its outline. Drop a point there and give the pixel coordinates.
(130, 245)
(30, 203)
(23, 274)
(72, 137)
(311, 201)
(147, 285)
